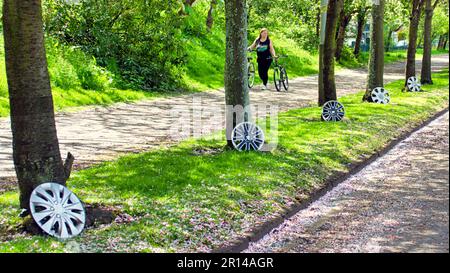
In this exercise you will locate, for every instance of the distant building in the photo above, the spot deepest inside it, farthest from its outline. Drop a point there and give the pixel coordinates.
(365, 40)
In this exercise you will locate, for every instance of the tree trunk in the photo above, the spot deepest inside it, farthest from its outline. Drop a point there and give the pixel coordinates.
(322, 33)
(441, 42)
(327, 78)
(210, 18)
(344, 21)
(186, 3)
(318, 23)
(425, 77)
(236, 82)
(36, 154)
(376, 60)
(388, 42)
(359, 35)
(410, 70)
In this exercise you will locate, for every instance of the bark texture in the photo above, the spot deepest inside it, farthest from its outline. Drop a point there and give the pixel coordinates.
(236, 87)
(443, 39)
(376, 60)
(327, 85)
(36, 154)
(410, 71)
(361, 21)
(210, 18)
(425, 76)
(344, 21)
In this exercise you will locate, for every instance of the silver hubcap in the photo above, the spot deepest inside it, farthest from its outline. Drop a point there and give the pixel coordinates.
(57, 211)
(333, 111)
(247, 136)
(380, 95)
(413, 84)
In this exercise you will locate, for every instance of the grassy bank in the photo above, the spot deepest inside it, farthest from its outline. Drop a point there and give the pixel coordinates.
(76, 80)
(182, 201)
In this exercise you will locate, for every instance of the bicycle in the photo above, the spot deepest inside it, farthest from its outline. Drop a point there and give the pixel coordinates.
(280, 75)
(251, 71)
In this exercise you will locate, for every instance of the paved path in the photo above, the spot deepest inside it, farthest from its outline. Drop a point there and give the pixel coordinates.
(102, 133)
(399, 203)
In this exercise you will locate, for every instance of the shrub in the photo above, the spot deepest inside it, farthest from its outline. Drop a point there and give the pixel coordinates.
(143, 41)
(70, 67)
(348, 59)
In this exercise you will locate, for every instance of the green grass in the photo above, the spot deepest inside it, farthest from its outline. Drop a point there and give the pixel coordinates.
(187, 202)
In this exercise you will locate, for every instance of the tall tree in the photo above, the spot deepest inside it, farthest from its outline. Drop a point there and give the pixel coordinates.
(443, 40)
(327, 84)
(361, 22)
(210, 17)
(36, 154)
(345, 16)
(236, 82)
(416, 10)
(376, 60)
(425, 77)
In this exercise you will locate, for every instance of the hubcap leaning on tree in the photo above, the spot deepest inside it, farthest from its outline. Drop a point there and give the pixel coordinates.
(414, 85)
(333, 111)
(57, 211)
(247, 136)
(380, 95)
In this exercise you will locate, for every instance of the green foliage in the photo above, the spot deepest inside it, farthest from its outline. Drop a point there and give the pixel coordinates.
(348, 59)
(70, 67)
(441, 19)
(187, 202)
(294, 19)
(142, 42)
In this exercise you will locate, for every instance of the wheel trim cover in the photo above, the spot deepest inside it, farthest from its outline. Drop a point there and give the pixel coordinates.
(247, 136)
(57, 211)
(413, 84)
(333, 111)
(380, 95)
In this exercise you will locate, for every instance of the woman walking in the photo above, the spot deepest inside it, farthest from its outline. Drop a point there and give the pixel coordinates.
(266, 53)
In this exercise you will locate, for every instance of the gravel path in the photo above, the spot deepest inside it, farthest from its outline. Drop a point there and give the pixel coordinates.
(103, 133)
(399, 203)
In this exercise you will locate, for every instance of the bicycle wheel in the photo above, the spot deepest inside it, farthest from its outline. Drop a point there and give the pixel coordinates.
(251, 75)
(285, 79)
(276, 78)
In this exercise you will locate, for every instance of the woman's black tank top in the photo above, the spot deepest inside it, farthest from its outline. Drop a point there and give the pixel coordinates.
(263, 50)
